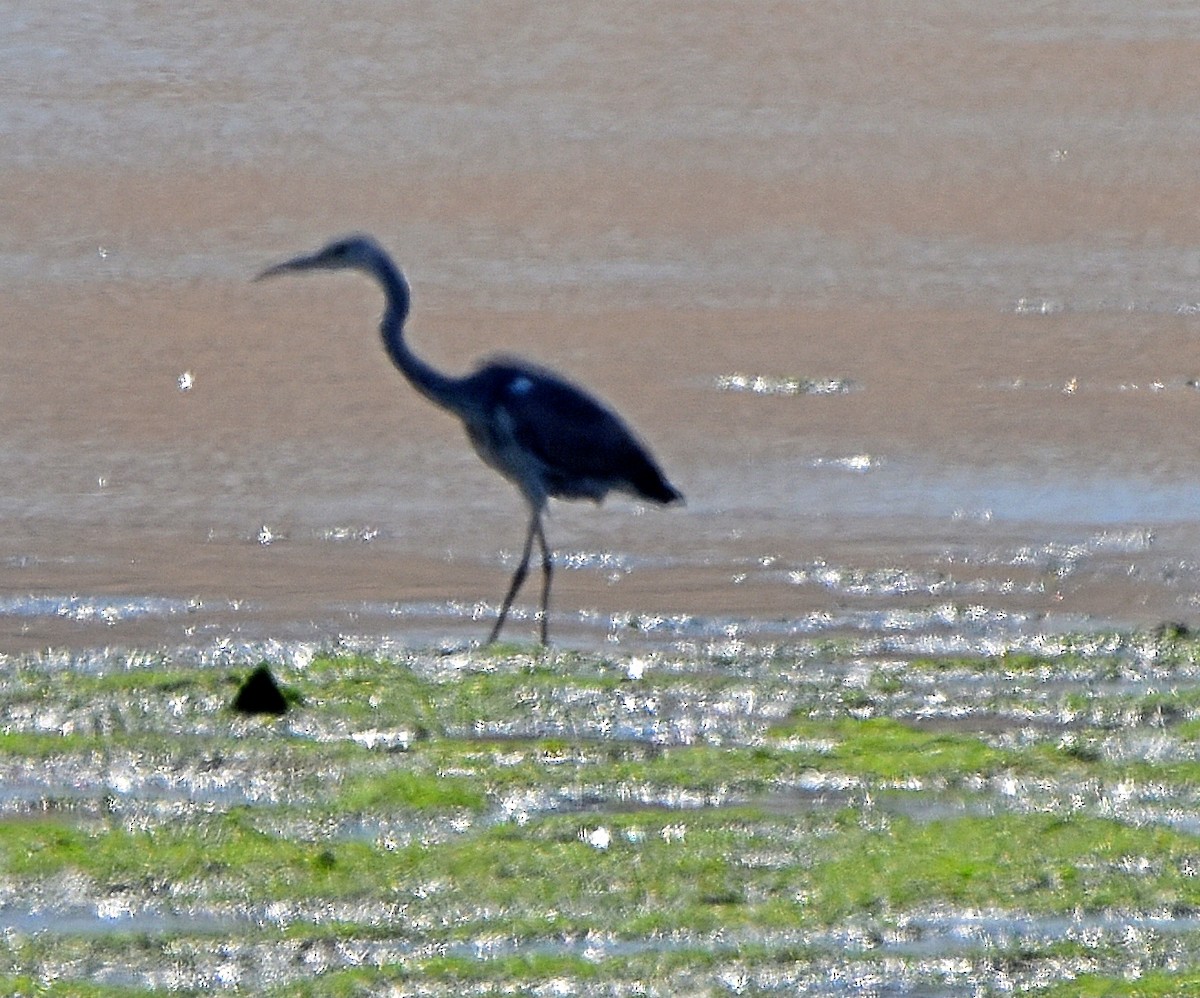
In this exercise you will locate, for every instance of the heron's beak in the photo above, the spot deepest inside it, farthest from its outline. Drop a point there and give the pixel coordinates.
(296, 263)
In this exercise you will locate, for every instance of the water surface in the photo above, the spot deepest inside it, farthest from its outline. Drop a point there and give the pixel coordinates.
(978, 223)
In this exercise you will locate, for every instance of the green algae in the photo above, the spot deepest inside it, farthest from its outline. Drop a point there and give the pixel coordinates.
(410, 791)
(1155, 984)
(754, 812)
(883, 749)
(20, 986)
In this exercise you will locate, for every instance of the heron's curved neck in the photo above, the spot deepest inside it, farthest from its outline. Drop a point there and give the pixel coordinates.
(431, 383)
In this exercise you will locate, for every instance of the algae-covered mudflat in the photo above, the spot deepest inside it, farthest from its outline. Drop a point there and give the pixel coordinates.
(832, 817)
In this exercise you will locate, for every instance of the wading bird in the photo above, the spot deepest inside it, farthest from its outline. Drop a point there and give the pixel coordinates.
(544, 434)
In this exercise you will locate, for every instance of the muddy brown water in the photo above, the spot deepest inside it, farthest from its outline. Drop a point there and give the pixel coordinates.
(904, 299)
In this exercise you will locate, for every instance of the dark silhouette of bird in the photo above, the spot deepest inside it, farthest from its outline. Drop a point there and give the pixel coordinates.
(547, 436)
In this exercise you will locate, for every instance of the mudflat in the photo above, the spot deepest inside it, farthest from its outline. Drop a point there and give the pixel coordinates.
(907, 307)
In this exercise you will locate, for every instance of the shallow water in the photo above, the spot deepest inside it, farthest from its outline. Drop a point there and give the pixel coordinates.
(975, 225)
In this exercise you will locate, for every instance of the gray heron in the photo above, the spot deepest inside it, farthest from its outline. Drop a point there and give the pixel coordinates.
(548, 437)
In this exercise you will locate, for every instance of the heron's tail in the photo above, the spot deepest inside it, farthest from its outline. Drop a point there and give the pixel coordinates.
(651, 484)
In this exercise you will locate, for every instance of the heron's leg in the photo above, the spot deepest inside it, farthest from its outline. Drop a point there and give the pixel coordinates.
(547, 572)
(535, 526)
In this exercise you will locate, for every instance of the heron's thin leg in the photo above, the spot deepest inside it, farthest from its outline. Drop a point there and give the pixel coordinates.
(547, 572)
(535, 526)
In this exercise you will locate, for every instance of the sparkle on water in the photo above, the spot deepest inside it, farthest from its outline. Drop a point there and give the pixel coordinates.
(761, 384)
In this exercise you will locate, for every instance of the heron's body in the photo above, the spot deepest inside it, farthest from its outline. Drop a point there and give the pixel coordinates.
(582, 452)
(547, 436)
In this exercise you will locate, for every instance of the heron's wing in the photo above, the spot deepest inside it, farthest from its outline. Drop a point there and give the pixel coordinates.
(567, 429)
(584, 447)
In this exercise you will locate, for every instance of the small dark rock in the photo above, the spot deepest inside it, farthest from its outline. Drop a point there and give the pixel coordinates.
(260, 694)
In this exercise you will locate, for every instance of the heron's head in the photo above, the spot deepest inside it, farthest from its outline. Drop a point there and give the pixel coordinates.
(350, 253)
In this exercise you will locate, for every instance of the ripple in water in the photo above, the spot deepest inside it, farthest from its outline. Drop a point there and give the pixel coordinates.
(95, 609)
(763, 384)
